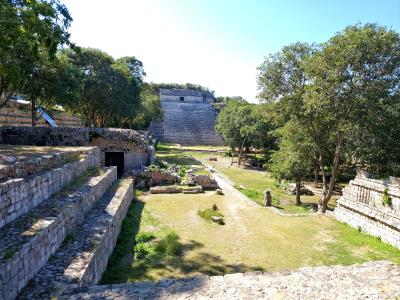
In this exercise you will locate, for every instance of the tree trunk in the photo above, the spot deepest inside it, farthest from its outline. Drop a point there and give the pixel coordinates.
(316, 175)
(33, 112)
(298, 192)
(328, 191)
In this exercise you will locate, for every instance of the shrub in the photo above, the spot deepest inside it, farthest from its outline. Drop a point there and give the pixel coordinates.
(144, 237)
(386, 198)
(208, 213)
(182, 171)
(141, 250)
(169, 245)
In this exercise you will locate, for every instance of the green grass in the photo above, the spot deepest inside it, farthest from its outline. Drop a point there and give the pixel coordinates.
(175, 243)
(253, 184)
(252, 239)
(208, 213)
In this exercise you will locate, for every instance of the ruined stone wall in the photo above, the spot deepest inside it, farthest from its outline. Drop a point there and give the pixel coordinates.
(19, 195)
(362, 206)
(191, 99)
(138, 147)
(34, 249)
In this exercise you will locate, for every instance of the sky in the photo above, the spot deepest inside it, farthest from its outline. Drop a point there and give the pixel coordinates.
(215, 43)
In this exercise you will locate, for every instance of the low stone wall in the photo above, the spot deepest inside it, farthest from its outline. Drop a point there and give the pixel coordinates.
(362, 207)
(110, 226)
(18, 196)
(45, 162)
(38, 237)
(372, 280)
(82, 260)
(138, 148)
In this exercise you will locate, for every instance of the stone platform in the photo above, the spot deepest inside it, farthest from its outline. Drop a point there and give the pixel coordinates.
(372, 280)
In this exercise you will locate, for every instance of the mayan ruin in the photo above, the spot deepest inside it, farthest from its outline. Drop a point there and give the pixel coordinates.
(255, 158)
(189, 118)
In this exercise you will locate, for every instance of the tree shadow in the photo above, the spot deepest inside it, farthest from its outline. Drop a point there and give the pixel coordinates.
(124, 267)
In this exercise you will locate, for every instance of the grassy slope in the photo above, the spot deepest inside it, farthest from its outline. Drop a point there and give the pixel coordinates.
(252, 239)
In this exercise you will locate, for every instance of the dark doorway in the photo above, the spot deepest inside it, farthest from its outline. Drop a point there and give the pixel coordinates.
(115, 159)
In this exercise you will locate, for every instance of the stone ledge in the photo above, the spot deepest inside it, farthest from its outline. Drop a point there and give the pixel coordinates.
(372, 280)
(390, 220)
(28, 166)
(18, 196)
(82, 260)
(27, 243)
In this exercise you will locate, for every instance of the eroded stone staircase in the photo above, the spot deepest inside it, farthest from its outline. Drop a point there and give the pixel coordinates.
(187, 124)
(59, 225)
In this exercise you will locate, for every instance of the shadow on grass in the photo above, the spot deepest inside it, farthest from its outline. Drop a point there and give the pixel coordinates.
(123, 267)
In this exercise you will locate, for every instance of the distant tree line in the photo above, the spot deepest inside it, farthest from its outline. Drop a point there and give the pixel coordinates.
(38, 61)
(330, 107)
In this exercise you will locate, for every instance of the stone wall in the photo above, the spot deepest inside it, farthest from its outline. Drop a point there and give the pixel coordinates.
(362, 207)
(19, 195)
(39, 234)
(81, 261)
(138, 147)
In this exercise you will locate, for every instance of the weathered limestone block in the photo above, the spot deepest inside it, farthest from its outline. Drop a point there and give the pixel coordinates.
(206, 182)
(165, 190)
(362, 206)
(19, 195)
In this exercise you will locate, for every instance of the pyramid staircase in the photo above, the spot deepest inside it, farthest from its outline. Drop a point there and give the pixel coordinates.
(59, 226)
(187, 124)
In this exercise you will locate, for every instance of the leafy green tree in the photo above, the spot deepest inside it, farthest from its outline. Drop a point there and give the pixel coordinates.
(149, 109)
(336, 92)
(294, 159)
(109, 89)
(190, 86)
(51, 82)
(243, 125)
(31, 32)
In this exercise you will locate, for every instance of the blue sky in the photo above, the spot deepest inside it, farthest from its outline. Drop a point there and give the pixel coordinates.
(215, 43)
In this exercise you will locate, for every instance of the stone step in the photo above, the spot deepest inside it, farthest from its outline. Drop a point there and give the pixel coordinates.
(371, 280)
(19, 195)
(82, 259)
(28, 242)
(45, 160)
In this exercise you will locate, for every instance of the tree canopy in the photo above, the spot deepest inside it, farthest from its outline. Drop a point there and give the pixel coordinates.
(31, 33)
(334, 92)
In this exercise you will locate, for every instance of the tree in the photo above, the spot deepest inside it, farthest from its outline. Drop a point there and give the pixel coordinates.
(336, 92)
(30, 31)
(294, 160)
(51, 82)
(149, 109)
(110, 89)
(190, 86)
(243, 125)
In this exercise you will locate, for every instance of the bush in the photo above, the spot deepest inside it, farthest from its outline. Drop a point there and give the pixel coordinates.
(141, 250)
(144, 237)
(386, 198)
(182, 171)
(208, 213)
(228, 153)
(169, 245)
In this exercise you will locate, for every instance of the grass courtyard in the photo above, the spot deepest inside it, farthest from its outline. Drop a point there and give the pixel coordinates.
(253, 238)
